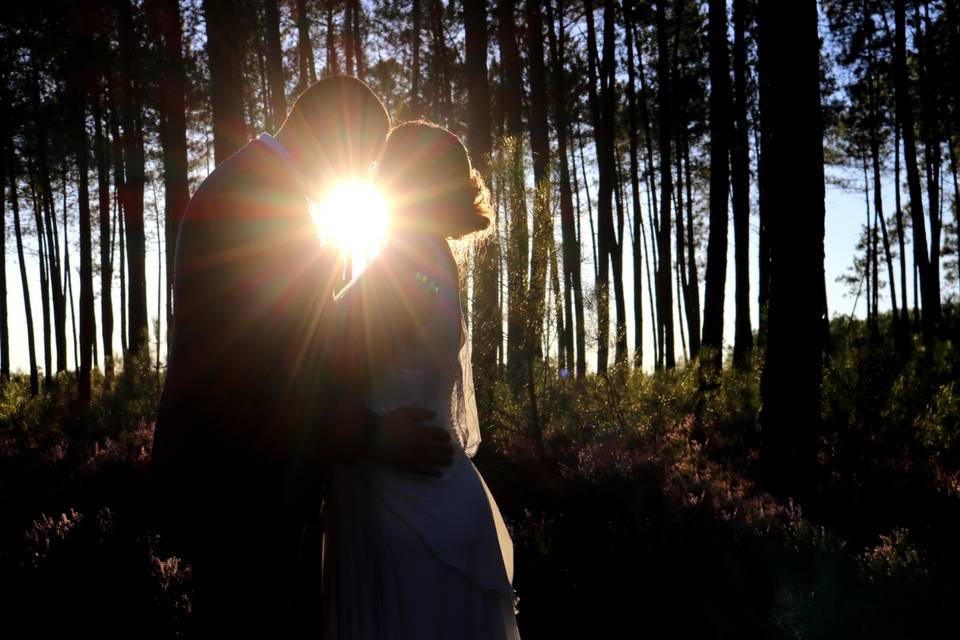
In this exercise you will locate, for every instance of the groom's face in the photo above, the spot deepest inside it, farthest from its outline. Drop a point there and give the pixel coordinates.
(345, 152)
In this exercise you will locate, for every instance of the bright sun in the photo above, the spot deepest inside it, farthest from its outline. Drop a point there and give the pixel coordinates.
(353, 217)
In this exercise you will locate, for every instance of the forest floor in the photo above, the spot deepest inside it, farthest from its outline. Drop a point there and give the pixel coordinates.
(638, 513)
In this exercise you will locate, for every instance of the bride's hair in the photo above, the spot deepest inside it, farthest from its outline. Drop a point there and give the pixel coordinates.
(427, 172)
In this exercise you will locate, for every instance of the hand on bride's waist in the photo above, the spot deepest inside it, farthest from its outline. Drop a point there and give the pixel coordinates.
(406, 443)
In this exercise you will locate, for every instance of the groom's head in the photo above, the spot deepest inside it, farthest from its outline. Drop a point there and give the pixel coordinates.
(335, 129)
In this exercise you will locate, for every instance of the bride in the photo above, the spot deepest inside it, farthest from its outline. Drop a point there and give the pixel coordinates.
(406, 555)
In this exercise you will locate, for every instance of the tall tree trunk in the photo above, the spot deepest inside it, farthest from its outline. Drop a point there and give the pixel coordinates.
(518, 242)
(905, 116)
(930, 132)
(358, 37)
(720, 122)
(632, 135)
(621, 349)
(119, 178)
(333, 66)
(512, 85)
(415, 13)
(573, 304)
(564, 357)
(67, 271)
(440, 76)
(4, 324)
(78, 87)
(132, 190)
(348, 37)
(904, 312)
(652, 209)
(225, 51)
(124, 342)
(602, 111)
(740, 183)
(664, 281)
(539, 127)
(868, 263)
(305, 64)
(878, 208)
(106, 262)
(24, 282)
(692, 301)
(44, 283)
(53, 270)
(173, 131)
(540, 149)
(486, 320)
(766, 212)
(278, 96)
(790, 383)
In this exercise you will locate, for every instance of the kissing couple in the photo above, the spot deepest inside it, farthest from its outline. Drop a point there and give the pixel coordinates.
(294, 403)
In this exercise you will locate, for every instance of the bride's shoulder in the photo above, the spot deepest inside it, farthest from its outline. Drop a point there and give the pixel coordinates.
(413, 253)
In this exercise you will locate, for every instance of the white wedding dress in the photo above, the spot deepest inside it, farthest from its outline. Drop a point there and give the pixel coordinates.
(409, 556)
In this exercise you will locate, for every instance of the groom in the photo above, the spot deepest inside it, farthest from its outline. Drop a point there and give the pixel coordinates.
(260, 389)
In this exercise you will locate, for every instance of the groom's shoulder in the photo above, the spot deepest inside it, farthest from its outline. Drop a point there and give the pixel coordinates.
(237, 170)
(234, 178)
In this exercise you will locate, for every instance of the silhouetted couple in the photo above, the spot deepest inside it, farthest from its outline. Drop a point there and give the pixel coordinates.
(283, 393)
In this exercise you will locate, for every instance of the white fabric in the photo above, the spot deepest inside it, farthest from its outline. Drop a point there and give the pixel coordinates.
(419, 557)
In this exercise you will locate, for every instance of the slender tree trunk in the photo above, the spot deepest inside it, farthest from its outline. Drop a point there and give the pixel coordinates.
(173, 129)
(573, 304)
(586, 189)
(68, 273)
(930, 132)
(486, 306)
(358, 37)
(415, 13)
(132, 190)
(602, 112)
(790, 383)
(44, 285)
(278, 100)
(24, 282)
(305, 64)
(665, 285)
(878, 208)
(518, 316)
(4, 325)
(225, 51)
(904, 312)
(78, 86)
(119, 178)
(905, 116)
(348, 37)
(740, 183)
(124, 342)
(720, 122)
(333, 65)
(652, 209)
(564, 357)
(512, 85)
(632, 135)
(440, 76)
(52, 254)
(868, 263)
(106, 262)
(616, 262)
(540, 149)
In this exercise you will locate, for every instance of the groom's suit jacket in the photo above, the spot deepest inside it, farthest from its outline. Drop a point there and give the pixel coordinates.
(264, 365)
